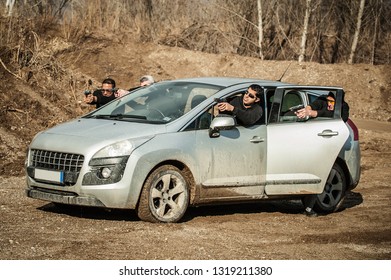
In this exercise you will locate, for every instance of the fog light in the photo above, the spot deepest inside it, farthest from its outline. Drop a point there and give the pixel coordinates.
(105, 172)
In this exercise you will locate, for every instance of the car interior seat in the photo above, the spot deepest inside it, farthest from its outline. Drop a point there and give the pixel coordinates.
(291, 99)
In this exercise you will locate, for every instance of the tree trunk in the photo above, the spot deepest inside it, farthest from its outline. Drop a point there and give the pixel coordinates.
(357, 33)
(305, 30)
(377, 15)
(260, 29)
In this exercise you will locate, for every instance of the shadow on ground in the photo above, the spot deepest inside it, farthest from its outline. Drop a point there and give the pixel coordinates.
(278, 206)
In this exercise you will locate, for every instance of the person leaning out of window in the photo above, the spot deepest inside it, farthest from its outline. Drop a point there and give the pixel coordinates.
(245, 108)
(323, 107)
(102, 96)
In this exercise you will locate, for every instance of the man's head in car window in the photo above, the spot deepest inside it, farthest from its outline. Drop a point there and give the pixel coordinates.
(252, 95)
(330, 101)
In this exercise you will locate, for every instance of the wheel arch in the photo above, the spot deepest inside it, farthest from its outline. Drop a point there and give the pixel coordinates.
(333, 194)
(341, 163)
(186, 172)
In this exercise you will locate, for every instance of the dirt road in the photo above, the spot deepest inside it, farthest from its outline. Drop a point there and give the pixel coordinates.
(31, 229)
(373, 125)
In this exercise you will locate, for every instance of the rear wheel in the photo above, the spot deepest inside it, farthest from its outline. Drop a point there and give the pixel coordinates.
(164, 197)
(334, 191)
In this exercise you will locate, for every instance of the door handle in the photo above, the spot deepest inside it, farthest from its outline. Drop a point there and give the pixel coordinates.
(257, 139)
(328, 133)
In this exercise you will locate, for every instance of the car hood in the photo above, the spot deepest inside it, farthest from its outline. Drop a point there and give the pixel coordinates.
(92, 134)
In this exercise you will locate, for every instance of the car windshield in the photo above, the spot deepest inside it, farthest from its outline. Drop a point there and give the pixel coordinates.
(158, 103)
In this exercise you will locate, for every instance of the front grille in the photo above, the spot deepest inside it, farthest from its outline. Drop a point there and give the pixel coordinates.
(56, 161)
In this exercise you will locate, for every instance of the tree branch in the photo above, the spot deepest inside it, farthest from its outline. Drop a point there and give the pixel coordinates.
(5, 67)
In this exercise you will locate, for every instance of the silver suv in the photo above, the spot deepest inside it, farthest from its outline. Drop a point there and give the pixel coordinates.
(161, 149)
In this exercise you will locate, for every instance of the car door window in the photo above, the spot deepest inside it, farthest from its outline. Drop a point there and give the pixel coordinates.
(318, 101)
(204, 119)
(262, 103)
(291, 100)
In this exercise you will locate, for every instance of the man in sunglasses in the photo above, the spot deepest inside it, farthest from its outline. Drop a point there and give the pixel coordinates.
(102, 96)
(246, 108)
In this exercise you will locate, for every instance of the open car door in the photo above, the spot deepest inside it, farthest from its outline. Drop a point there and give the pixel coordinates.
(301, 153)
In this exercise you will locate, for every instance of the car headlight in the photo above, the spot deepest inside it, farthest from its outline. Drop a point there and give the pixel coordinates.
(108, 164)
(123, 148)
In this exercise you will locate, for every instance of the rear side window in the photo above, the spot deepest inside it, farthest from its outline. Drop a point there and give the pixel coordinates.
(292, 99)
(324, 102)
(311, 98)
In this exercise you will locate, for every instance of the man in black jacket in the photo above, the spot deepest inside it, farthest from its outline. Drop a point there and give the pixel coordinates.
(245, 108)
(323, 106)
(102, 96)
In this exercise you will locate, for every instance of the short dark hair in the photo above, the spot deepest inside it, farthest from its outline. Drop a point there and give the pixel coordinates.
(109, 81)
(258, 89)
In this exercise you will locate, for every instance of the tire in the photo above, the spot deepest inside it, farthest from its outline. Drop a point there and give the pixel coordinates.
(164, 196)
(334, 191)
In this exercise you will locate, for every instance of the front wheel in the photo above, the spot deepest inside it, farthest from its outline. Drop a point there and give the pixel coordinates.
(164, 197)
(334, 191)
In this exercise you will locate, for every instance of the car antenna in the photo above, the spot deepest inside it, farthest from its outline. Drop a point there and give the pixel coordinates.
(283, 74)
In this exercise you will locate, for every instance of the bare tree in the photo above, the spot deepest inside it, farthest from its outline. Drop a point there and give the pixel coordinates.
(260, 29)
(377, 11)
(357, 33)
(327, 31)
(9, 5)
(305, 30)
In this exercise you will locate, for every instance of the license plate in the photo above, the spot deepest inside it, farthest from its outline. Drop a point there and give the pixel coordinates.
(48, 175)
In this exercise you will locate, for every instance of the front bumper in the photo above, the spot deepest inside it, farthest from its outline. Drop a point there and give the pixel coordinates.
(63, 197)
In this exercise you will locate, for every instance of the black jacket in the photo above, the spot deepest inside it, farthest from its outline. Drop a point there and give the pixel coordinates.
(245, 116)
(320, 105)
(101, 99)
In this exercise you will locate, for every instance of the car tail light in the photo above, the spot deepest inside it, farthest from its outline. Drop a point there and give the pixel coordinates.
(354, 128)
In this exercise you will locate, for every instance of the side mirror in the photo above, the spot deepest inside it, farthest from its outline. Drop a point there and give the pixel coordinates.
(221, 122)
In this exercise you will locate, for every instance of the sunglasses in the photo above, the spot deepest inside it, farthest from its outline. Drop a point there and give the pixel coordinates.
(330, 101)
(106, 90)
(252, 96)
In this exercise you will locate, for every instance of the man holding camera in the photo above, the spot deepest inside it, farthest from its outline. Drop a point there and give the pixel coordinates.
(102, 96)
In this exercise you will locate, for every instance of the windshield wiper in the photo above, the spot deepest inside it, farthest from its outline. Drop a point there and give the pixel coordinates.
(119, 117)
